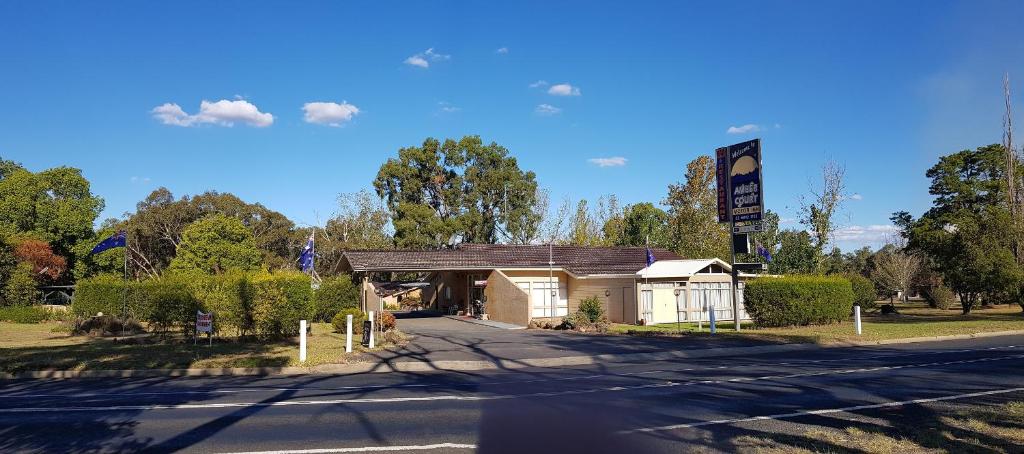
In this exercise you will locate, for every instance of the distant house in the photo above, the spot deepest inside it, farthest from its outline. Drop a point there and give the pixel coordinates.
(520, 283)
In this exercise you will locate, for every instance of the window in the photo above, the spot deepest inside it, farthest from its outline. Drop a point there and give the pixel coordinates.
(681, 309)
(541, 298)
(713, 296)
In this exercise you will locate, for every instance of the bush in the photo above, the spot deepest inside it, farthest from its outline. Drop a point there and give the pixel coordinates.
(279, 301)
(106, 325)
(228, 297)
(26, 314)
(358, 317)
(798, 300)
(104, 293)
(592, 308)
(386, 321)
(863, 291)
(590, 317)
(334, 295)
(21, 287)
(167, 303)
(940, 297)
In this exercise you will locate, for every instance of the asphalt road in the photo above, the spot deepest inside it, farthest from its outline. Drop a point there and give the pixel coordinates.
(666, 406)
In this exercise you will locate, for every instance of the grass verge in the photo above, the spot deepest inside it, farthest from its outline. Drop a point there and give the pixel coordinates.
(29, 347)
(916, 320)
(969, 429)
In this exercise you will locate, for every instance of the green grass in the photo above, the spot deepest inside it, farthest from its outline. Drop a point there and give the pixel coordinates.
(916, 320)
(27, 347)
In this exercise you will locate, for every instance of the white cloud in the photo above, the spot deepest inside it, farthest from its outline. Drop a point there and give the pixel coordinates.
(539, 83)
(416, 60)
(614, 161)
(140, 179)
(564, 90)
(223, 113)
(446, 107)
(547, 110)
(502, 50)
(856, 197)
(424, 58)
(869, 234)
(745, 129)
(329, 113)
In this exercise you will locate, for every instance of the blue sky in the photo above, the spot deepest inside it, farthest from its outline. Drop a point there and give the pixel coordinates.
(882, 87)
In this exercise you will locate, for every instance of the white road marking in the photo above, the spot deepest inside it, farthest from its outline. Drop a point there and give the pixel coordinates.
(489, 383)
(366, 449)
(824, 411)
(458, 397)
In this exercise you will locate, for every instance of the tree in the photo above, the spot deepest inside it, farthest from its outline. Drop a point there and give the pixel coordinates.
(968, 233)
(54, 205)
(461, 190)
(45, 265)
(155, 229)
(553, 226)
(217, 244)
(360, 223)
(643, 221)
(796, 254)
(584, 229)
(819, 211)
(895, 270)
(693, 227)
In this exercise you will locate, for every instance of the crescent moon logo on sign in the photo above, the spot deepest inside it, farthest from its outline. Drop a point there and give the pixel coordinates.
(743, 166)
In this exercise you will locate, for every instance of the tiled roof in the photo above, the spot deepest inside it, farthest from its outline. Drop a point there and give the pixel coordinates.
(580, 260)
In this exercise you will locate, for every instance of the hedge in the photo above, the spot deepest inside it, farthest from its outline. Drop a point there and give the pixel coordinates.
(334, 295)
(864, 294)
(798, 300)
(268, 305)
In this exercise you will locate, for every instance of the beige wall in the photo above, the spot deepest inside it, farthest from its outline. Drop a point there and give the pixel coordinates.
(619, 304)
(506, 302)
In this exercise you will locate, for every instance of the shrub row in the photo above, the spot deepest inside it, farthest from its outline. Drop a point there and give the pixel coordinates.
(27, 314)
(267, 305)
(798, 300)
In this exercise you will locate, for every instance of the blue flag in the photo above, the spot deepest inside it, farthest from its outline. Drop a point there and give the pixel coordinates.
(306, 257)
(118, 239)
(650, 257)
(763, 252)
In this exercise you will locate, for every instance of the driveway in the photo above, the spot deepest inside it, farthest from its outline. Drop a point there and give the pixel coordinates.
(438, 338)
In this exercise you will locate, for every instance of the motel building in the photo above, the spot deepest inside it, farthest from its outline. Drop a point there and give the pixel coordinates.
(521, 283)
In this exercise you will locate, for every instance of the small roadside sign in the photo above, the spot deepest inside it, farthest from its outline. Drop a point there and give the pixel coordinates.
(204, 322)
(748, 227)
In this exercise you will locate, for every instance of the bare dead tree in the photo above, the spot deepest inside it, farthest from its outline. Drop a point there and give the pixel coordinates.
(554, 224)
(1012, 193)
(895, 268)
(819, 210)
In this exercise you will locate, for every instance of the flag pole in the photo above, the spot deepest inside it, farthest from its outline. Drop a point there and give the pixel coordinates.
(124, 294)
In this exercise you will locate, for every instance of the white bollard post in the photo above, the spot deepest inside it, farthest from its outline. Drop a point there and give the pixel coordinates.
(302, 341)
(348, 333)
(711, 315)
(856, 318)
(373, 327)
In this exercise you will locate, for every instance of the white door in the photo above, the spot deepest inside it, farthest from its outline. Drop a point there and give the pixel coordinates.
(647, 306)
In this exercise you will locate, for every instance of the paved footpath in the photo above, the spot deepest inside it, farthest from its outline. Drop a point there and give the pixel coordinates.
(662, 406)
